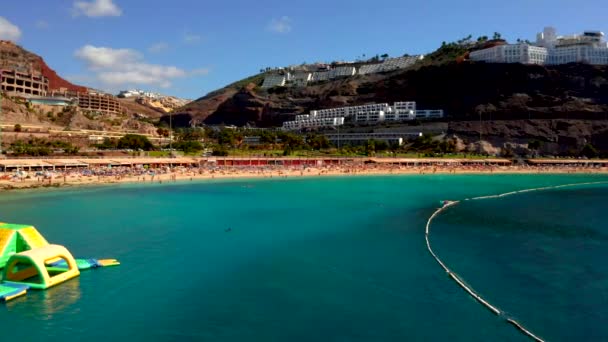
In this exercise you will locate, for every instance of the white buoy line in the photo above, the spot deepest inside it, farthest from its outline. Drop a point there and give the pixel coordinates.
(460, 282)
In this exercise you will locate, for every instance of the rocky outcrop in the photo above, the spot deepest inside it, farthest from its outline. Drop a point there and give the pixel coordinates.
(464, 90)
(554, 137)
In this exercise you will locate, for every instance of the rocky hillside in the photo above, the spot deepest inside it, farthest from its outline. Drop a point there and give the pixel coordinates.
(14, 57)
(553, 137)
(444, 79)
(464, 90)
(14, 110)
(164, 104)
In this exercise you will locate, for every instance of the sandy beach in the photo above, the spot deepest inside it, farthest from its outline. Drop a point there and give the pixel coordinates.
(106, 176)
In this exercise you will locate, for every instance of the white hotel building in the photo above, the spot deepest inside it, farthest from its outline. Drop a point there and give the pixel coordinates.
(512, 53)
(551, 49)
(312, 123)
(370, 113)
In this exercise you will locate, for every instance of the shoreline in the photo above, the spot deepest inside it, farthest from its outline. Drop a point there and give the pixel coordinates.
(181, 176)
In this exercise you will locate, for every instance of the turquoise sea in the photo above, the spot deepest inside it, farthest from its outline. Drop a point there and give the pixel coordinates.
(325, 259)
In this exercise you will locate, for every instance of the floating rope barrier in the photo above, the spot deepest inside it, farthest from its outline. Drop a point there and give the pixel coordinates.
(460, 282)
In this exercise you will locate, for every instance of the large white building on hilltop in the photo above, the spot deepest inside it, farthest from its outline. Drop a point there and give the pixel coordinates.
(511, 53)
(589, 47)
(370, 113)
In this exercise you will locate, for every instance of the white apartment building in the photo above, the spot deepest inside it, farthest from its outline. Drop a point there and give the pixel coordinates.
(375, 112)
(588, 47)
(313, 123)
(511, 53)
(578, 54)
(390, 65)
(342, 71)
(302, 117)
(400, 63)
(371, 115)
(370, 69)
(301, 79)
(319, 76)
(328, 113)
(274, 80)
(368, 108)
(404, 111)
(547, 38)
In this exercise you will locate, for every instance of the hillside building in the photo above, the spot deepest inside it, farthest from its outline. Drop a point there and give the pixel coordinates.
(302, 75)
(313, 123)
(274, 80)
(342, 71)
(98, 103)
(390, 64)
(301, 79)
(511, 53)
(319, 76)
(551, 49)
(369, 114)
(20, 83)
(138, 93)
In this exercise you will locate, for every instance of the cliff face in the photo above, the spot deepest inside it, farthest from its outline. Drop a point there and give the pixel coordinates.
(555, 137)
(464, 90)
(55, 81)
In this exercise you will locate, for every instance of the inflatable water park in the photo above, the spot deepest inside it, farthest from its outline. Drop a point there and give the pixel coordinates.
(28, 261)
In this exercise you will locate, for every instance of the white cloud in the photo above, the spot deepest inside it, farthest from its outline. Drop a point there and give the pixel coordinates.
(96, 8)
(280, 25)
(8, 30)
(42, 24)
(158, 47)
(127, 67)
(191, 38)
(103, 57)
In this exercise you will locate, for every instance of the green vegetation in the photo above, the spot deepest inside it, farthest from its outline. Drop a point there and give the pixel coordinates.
(188, 146)
(589, 151)
(134, 142)
(40, 147)
(108, 144)
(255, 79)
(17, 128)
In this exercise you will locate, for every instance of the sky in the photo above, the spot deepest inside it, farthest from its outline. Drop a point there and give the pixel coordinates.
(188, 48)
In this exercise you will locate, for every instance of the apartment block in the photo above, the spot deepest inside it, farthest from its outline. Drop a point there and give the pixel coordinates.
(313, 123)
(98, 102)
(16, 82)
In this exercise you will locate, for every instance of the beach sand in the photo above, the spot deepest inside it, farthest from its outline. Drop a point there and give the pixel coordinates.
(77, 178)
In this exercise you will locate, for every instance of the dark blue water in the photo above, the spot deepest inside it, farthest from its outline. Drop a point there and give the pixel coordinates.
(335, 259)
(539, 256)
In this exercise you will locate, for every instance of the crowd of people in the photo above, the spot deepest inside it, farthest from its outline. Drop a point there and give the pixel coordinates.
(100, 175)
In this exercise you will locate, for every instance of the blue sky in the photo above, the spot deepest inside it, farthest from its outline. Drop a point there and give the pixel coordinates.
(190, 47)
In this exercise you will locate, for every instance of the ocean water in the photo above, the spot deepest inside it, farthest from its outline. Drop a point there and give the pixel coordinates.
(327, 259)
